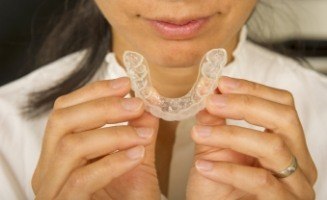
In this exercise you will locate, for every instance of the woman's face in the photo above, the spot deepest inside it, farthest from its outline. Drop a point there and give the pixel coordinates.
(175, 33)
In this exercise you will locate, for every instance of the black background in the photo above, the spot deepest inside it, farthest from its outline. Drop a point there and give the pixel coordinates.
(21, 22)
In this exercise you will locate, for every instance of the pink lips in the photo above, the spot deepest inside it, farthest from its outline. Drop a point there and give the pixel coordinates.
(178, 30)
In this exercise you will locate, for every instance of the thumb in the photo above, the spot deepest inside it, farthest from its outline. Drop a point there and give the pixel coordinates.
(148, 120)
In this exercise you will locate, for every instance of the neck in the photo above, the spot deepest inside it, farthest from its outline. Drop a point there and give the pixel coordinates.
(173, 82)
(176, 82)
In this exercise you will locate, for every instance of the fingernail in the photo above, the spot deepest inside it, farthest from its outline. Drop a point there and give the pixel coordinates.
(144, 132)
(203, 131)
(135, 152)
(230, 83)
(118, 83)
(131, 104)
(218, 100)
(204, 165)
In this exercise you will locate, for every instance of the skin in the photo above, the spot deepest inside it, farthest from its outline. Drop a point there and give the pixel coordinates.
(182, 57)
(237, 163)
(230, 162)
(77, 155)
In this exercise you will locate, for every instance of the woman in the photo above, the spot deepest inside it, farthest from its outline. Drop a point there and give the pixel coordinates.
(250, 142)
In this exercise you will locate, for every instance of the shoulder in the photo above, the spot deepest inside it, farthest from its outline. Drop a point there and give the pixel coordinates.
(280, 71)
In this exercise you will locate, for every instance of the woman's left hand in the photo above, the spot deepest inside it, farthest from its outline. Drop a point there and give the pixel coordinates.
(233, 162)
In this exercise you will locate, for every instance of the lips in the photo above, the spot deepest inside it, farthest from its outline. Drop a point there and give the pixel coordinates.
(174, 29)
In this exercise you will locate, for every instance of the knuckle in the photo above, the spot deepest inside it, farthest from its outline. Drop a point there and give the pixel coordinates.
(109, 164)
(277, 145)
(128, 133)
(308, 193)
(56, 118)
(204, 117)
(290, 116)
(123, 134)
(77, 179)
(232, 130)
(35, 183)
(59, 102)
(113, 167)
(67, 145)
(115, 133)
(288, 96)
(264, 179)
(313, 175)
(246, 100)
(231, 170)
(96, 86)
(106, 103)
(311, 194)
(229, 130)
(253, 86)
(115, 137)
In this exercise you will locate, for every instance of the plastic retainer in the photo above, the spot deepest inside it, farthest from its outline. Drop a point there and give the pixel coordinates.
(175, 109)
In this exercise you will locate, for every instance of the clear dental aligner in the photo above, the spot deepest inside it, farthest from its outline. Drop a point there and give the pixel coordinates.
(175, 109)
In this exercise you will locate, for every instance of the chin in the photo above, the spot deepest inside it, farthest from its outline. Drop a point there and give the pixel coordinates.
(178, 54)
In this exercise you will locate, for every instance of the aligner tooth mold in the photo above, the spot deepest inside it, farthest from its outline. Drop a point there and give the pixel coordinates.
(175, 109)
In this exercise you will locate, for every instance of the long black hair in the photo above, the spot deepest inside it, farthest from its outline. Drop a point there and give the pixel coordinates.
(80, 26)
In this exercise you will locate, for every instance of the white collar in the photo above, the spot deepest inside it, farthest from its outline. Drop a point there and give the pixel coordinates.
(231, 68)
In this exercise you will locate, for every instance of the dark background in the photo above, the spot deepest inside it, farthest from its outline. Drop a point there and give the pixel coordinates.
(21, 22)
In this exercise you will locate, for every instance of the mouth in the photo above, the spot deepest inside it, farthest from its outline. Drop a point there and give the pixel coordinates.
(178, 29)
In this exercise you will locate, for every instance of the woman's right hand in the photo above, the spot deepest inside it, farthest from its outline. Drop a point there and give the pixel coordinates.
(77, 159)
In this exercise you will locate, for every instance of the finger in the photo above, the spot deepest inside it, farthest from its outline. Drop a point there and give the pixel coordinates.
(85, 181)
(256, 181)
(148, 120)
(111, 139)
(148, 163)
(221, 154)
(205, 118)
(77, 149)
(117, 87)
(228, 85)
(86, 116)
(94, 114)
(259, 112)
(270, 149)
(266, 114)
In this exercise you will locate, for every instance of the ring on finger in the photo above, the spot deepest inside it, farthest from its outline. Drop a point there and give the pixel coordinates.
(288, 170)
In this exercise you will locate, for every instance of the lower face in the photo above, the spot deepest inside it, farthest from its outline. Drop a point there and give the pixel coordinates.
(175, 33)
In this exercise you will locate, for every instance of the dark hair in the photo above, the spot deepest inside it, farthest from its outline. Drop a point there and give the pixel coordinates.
(81, 26)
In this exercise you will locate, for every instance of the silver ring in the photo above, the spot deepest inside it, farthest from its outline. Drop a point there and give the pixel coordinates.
(288, 171)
